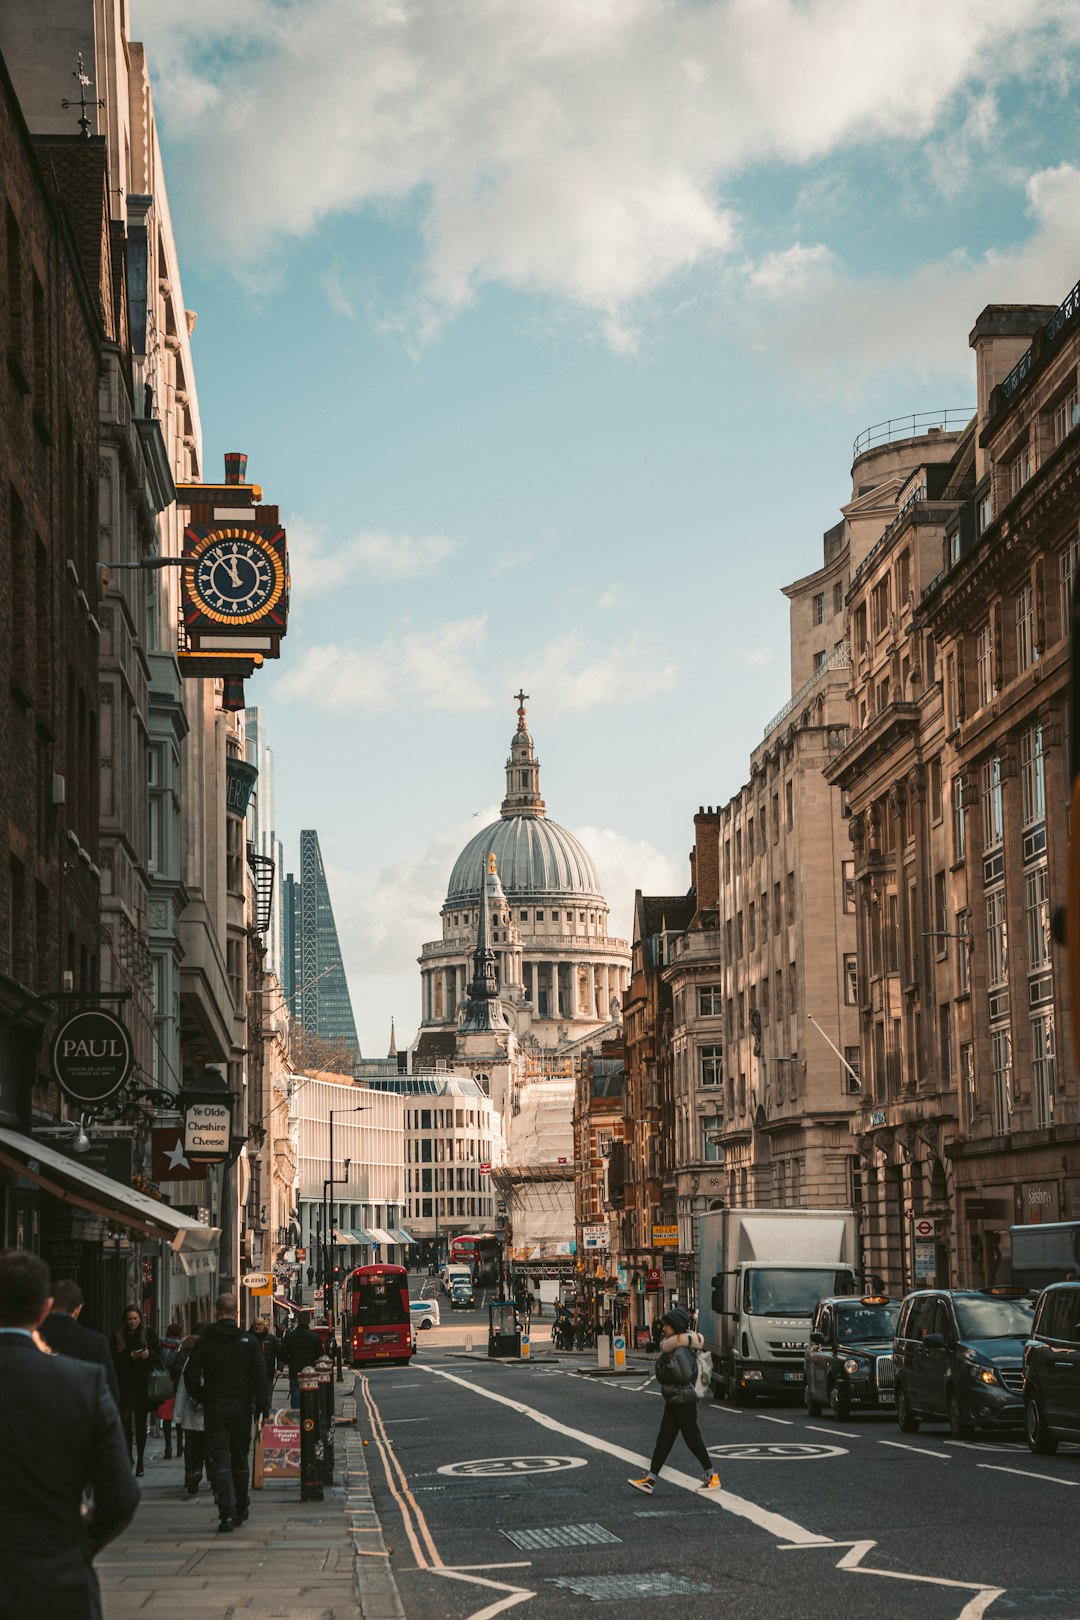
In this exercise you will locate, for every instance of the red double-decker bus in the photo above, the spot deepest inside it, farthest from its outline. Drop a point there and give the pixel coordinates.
(377, 1324)
(481, 1251)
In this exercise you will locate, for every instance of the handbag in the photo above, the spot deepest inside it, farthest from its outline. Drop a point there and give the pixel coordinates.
(159, 1387)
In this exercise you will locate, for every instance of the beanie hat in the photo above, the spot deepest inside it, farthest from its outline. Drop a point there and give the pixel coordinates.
(677, 1318)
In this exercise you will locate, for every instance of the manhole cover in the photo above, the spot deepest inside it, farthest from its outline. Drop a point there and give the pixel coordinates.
(610, 1588)
(562, 1535)
(509, 1467)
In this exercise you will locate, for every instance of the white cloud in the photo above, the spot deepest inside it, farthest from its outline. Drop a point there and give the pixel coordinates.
(573, 677)
(316, 567)
(625, 864)
(615, 597)
(791, 270)
(752, 657)
(336, 296)
(581, 148)
(841, 329)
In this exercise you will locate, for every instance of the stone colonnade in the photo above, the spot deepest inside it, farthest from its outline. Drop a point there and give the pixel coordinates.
(557, 989)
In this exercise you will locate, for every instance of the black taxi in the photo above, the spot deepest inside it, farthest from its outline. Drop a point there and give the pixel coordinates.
(849, 1360)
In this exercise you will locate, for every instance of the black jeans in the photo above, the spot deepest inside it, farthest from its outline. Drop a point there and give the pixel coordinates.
(194, 1455)
(680, 1417)
(134, 1418)
(228, 1441)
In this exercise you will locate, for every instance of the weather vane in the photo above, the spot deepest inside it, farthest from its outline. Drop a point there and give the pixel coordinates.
(85, 83)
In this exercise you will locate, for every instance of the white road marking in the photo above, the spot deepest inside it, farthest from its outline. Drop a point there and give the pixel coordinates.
(843, 1432)
(406, 1420)
(788, 1422)
(920, 1451)
(793, 1536)
(974, 1445)
(1029, 1473)
(522, 1563)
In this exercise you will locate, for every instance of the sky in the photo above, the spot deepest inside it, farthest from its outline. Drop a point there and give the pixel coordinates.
(550, 330)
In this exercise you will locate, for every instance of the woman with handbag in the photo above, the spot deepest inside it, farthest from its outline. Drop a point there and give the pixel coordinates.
(137, 1355)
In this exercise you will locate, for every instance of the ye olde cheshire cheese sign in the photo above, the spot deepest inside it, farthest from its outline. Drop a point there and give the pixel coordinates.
(206, 1130)
(91, 1056)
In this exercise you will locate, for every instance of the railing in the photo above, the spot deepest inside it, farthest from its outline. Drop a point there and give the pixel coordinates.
(1057, 322)
(839, 658)
(908, 427)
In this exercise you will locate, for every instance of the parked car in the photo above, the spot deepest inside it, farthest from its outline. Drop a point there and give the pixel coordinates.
(424, 1313)
(1052, 1370)
(959, 1358)
(849, 1361)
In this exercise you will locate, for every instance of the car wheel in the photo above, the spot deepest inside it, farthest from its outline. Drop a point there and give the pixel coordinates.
(1039, 1438)
(960, 1425)
(839, 1402)
(905, 1417)
(812, 1406)
(427, 1324)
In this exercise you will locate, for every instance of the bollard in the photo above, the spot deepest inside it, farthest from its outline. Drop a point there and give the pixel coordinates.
(311, 1441)
(325, 1369)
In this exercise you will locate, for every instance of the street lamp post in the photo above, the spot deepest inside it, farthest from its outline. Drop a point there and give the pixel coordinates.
(328, 1236)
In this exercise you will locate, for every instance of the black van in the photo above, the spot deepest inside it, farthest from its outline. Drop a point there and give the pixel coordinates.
(959, 1359)
(1052, 1369)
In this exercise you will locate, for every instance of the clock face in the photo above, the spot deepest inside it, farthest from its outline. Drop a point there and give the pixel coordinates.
(235, 579)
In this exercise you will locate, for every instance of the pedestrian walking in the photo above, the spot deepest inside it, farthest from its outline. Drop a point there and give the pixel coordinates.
(270, 1347)
(676, 1372)
(226, 1374)
(66, 1335)
(301, 1347)
(190, 1422)
(60, 1440)
(136, 1353)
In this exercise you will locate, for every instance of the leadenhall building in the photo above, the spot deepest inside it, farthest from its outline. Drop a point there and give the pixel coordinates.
(955, 775)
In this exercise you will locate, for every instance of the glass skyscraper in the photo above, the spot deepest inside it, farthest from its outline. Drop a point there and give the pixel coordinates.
(315, 982)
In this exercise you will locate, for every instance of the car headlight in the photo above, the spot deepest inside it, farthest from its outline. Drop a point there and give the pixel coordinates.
(986, 1375)
(852, 1366)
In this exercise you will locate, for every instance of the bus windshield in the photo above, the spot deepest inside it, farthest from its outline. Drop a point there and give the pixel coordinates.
(378, 1300)
(793, 1293)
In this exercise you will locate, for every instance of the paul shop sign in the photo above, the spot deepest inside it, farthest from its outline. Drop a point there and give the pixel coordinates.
(91, 1056)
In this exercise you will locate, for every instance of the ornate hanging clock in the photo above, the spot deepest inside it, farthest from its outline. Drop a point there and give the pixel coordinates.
(238, 579)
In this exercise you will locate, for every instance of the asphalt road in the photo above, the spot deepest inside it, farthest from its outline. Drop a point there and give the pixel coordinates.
(502, 1486)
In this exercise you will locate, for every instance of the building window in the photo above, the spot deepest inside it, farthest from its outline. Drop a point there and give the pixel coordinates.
(711, 1059)
(963, 954)
(1067, 563)
(997, 940)
(851, 1081)
(879, 608)
(847, 884)
(1001, 1080)
(1019, 471)
(789, 804)
(838, 597)
(791, 899)
(1066, 416)
(1043, 1070)
(1033, 776)
(984, 663)
(958, 826)
(711, 1150)
(819, 608)
(777, 920)
(709, 1001)
(1026, 650)
(992, 803)
(936, 808)
(539, 916)
(952, 703)
(940, 915)
(1037, 910)
(851, 979)
(967, 1082)
(944, 1046)
(819, 659)
(986, 511)
(751, 927)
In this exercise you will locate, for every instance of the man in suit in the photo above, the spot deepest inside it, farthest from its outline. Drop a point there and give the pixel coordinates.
(64, 1333)
(60, 1436)
(226, 1374)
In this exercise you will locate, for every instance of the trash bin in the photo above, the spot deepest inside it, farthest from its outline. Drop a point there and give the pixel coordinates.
(504, 1332)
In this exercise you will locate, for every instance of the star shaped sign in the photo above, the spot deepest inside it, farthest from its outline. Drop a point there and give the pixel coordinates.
(168, 1160)
(176, 1156)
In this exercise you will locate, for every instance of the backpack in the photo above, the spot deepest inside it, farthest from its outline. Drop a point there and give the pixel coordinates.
(702, 1373)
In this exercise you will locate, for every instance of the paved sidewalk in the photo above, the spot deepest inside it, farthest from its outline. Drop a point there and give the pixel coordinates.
(305, 1561)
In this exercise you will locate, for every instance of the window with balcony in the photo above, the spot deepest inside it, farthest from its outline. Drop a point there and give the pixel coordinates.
(992, 805)
(959, 829)
(1032, 776)
(711, 1065)
(1026, 650)
(984, 663)
(1019, 470)
(710, 1001)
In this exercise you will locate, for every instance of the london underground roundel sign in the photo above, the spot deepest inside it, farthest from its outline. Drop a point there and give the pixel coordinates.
(91, 1056)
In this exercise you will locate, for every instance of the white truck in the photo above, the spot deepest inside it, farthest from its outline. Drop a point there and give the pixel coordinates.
(761, 1273)
(455, 1269)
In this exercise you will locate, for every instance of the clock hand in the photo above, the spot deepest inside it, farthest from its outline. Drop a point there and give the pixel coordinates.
(234, 572)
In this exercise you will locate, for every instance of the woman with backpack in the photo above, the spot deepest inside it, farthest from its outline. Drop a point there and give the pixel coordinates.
(677, 1375)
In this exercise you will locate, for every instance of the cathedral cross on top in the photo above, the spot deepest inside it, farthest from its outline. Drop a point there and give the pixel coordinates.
(523, 698)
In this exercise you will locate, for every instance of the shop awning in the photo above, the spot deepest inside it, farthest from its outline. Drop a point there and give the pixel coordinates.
(76, 1183)
(400, 1235)
(343, 1236)
(380, 1235)
(362, 1235)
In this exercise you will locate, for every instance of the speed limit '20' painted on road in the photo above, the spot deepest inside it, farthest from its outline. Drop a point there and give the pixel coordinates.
(782, 1451)
(509, 1467)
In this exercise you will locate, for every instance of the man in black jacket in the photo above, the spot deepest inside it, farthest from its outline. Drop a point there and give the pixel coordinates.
(301, 1347)
(64, 1333)
(60, 1436)
(227, 1375)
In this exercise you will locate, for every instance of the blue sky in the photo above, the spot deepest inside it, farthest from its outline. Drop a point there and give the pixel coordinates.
(550, 331)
